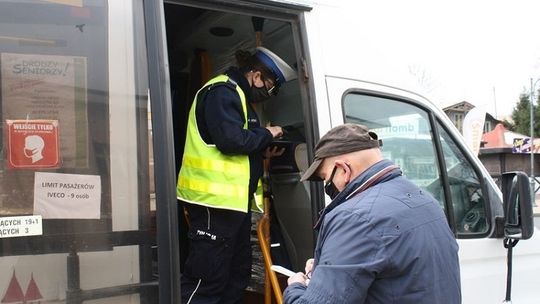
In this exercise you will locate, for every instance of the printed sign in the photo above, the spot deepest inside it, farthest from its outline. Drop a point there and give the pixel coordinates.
(405, 126)
(13, 226)
(67, 196)
(50, 88)
(32, 144)
(521, 145)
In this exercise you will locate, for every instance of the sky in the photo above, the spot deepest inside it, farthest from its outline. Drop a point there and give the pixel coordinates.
(482, 52)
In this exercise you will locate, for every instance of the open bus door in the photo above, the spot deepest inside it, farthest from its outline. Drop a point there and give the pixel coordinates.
(202, 38)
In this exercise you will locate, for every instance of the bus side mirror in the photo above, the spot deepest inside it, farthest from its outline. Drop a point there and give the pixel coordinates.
(518, 214)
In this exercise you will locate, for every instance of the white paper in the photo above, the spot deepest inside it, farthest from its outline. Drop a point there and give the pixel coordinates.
(282, 270)
(67, 196)
(16, 226)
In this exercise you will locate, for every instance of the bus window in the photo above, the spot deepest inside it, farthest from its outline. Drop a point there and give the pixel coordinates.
(75, 193)
(407, 137)
(465, 189)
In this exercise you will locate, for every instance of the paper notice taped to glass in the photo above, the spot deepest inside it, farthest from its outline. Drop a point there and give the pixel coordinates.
(67, 196)
(17, 226)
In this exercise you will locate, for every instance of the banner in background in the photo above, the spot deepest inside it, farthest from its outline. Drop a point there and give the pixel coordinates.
(523, 145)
(473, 128)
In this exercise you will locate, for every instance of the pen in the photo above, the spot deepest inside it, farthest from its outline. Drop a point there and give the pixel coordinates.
(308, 277)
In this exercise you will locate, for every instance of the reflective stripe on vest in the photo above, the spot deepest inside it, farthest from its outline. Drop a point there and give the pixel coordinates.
(207, 176)
(258, 206)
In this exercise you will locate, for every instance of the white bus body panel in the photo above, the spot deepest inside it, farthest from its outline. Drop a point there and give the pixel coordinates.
(482, 261)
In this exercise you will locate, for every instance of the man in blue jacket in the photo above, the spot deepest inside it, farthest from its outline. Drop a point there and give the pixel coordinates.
(382, 239)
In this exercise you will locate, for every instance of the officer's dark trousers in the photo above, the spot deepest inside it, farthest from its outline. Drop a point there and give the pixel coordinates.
(218, 266)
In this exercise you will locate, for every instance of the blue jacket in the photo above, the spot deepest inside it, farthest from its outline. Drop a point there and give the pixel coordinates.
(390, 243)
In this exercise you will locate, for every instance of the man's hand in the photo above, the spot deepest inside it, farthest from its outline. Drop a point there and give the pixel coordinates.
(299, 277)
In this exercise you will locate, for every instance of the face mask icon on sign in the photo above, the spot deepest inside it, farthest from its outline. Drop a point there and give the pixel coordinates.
(33, 147)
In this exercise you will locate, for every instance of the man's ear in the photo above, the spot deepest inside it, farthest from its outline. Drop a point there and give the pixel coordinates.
(345, 167)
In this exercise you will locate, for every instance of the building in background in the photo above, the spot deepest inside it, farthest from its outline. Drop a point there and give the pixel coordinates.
(496, 146)
(458, 111)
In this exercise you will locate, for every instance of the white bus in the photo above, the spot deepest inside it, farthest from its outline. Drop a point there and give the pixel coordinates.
(94, 99)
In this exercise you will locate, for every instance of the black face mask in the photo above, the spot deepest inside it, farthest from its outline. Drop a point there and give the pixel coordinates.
(259, 94)
(329, 187)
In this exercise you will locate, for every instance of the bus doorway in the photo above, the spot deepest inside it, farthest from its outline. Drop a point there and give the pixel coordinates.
(201, 43)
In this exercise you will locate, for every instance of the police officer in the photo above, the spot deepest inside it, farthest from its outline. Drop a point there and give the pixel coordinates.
(221, 168)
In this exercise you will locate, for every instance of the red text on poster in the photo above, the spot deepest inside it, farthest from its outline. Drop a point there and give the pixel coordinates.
(32, 144)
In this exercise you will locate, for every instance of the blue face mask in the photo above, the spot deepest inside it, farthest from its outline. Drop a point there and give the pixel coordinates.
(329, 188)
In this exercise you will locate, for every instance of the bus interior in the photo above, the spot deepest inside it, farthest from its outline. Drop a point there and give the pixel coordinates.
(201, 43)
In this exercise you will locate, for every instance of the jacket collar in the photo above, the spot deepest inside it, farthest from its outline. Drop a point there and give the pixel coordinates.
(380, 172)
(240, 79)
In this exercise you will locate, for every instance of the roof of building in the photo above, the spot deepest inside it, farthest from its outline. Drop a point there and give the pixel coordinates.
(500, 137)
(463, 106)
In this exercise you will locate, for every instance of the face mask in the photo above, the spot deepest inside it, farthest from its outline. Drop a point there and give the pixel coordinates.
(329, 187)
(259, 94)
(28, 152)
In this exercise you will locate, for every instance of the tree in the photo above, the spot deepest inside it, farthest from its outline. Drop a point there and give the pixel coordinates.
(521, 116)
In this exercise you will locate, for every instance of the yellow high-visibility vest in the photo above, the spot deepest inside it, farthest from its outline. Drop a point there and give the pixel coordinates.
(210, 178)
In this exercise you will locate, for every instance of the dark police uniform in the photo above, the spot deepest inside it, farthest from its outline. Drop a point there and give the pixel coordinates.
(218, 267)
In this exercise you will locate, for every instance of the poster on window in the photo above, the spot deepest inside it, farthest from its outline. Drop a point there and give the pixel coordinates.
(46, 87)
(67, 196)
(32, 144)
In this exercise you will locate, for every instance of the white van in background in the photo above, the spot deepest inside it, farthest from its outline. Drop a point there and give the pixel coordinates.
(127, 63)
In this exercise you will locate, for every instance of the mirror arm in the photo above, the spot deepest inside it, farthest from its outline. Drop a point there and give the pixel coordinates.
(499, 227)
(509, 244)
